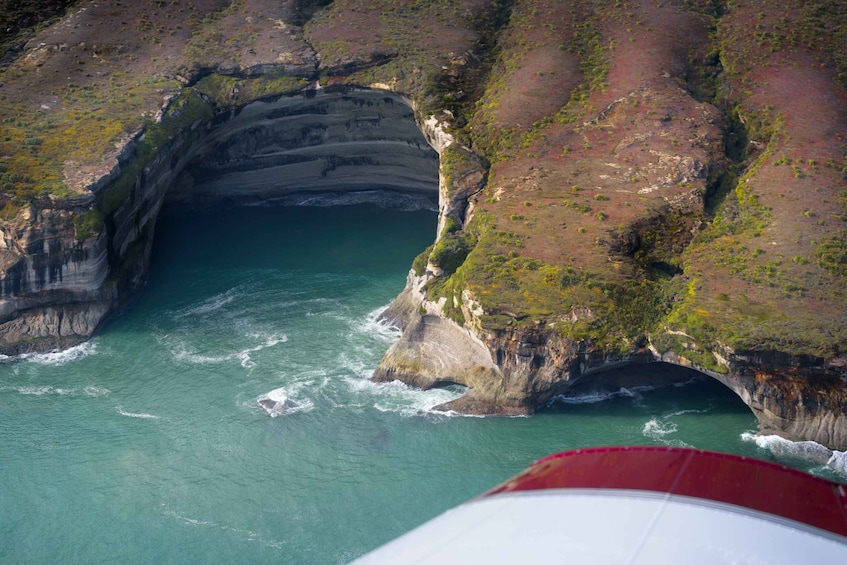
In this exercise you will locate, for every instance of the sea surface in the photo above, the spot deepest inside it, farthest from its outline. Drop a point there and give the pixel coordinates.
(147, 444)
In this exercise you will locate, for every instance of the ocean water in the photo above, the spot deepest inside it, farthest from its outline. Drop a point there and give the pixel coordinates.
(148, 445)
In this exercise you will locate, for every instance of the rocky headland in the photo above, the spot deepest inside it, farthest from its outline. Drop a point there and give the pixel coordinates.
(617, 183)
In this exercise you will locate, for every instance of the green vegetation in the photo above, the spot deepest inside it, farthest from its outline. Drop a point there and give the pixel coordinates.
(451, 250)
(498, 143)
(188, 109)
(88, 224)
(832, 254)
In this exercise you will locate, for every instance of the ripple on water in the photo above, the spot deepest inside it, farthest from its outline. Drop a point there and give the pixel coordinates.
(140, 415)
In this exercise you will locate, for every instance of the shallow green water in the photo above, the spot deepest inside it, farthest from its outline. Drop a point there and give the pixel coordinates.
(147, 444)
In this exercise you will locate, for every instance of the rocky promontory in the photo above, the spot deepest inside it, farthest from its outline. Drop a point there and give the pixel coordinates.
(617, 183)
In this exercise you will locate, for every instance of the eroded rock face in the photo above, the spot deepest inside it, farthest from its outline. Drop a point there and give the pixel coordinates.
(519, 371)
(53, 283)
(60, 277)
(321, 142)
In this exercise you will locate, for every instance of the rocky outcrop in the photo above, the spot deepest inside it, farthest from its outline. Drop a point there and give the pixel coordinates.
(53, 277)
(520, 371)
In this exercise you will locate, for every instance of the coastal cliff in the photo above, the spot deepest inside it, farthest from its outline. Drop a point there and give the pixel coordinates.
(616, 184)
(654, 217)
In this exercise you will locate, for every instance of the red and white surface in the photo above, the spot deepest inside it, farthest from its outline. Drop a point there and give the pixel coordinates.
(639, 505)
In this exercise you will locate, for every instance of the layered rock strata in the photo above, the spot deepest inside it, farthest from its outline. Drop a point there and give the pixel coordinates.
(316, 143)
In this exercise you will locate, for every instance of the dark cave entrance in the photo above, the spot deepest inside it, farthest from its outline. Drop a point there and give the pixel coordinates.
(333, 146)
(642, 379)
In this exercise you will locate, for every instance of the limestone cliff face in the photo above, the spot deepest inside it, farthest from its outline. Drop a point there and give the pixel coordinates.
(64, 268)
(519, 371)
(53, 288)
(349, 141)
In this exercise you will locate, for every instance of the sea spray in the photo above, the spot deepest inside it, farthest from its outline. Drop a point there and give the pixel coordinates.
(658, 429)
(809, 451)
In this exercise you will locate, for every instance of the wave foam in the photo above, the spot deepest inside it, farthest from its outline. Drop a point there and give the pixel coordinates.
(809, 451)
(141, 415)
(601, 396)
(286, 400)
(243, 356)
(838, 462)
(403, 399)
(95, 391)
(57, 358)
(92, 391)
(372, 325)
(248, 535)
(656, 430)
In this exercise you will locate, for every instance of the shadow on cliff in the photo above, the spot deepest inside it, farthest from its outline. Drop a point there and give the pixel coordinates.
(660, 380)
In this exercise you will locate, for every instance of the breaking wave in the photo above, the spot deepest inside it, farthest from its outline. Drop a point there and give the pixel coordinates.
(403, 399)
(657, 429)
(286, 400)
(57, 358)
(373, 326)
(809, 451)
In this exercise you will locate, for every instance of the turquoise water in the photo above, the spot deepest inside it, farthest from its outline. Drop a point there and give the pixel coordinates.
(147, 445)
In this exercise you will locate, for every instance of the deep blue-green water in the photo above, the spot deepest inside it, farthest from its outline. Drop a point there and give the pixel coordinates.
(147, 445)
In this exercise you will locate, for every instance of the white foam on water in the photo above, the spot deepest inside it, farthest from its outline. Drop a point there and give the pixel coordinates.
(603, 395)
(658, 430)
(186, 520)
(181, 352)
(277, 395)
(690, 411)
(838, 462)
(600, 396)
(654, 429)
(248, 535)
(808, 451)
(95, 391)
(287, 400)
(92, 391)
(403, 399)
(355, 364)
(35, 390)
(373, 326)
(270, 339)
(141, 415)
(56, 358)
